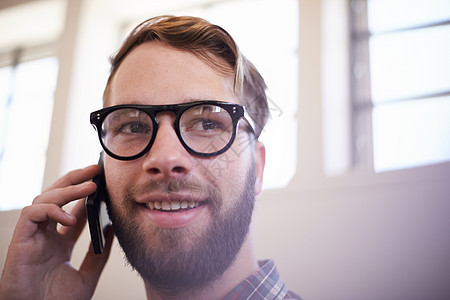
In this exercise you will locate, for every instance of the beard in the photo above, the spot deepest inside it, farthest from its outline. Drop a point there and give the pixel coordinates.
(184, 259)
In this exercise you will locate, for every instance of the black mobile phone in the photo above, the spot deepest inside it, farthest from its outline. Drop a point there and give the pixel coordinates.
(97, 213)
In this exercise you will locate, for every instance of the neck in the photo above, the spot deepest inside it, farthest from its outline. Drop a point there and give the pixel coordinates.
(243, 266)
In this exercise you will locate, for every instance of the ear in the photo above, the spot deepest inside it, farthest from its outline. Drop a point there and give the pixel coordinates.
(260, 161)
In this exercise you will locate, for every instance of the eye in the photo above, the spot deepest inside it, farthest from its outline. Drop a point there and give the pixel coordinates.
(208, 125)
(205, 125)
(206, 121)
(134, 128)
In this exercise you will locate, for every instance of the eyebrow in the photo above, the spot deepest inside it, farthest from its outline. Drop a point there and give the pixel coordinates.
(193, 99)
(181, 101)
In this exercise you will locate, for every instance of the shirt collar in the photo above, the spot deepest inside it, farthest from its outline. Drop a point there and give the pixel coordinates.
(266, 283)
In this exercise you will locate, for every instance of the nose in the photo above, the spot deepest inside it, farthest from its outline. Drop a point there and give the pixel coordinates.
(167, 157)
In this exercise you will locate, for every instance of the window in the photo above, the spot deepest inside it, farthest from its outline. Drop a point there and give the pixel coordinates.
(400, 77)
(26, 102)
(28, 73)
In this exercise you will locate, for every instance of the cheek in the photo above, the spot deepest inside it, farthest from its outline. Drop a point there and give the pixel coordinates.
(222, 169)
(228, 172)
(117, 181)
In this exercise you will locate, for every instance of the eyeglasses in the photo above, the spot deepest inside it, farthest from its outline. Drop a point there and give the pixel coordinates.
(204, 128)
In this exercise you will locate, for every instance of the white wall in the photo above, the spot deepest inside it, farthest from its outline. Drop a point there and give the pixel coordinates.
(357, 236)
(373, 241)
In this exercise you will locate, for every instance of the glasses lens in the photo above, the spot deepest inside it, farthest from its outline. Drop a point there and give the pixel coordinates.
(206, 128)
(126, 132)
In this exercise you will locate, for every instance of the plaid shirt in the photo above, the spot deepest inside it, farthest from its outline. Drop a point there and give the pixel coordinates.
(266, 283)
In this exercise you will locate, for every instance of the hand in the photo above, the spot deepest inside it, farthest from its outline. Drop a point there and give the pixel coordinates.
(38, 261)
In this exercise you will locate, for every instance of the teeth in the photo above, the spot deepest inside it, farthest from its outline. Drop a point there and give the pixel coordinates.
(168, 206)
(165, 205)
(157, 205)
(151, 205)
(175, 205)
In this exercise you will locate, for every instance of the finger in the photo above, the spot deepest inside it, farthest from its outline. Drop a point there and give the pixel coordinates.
(93, 264)
(34, 215)
(79, 212)
(62, 196)
(75, 177)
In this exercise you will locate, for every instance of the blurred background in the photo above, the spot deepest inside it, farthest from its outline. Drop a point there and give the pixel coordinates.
(356, 200)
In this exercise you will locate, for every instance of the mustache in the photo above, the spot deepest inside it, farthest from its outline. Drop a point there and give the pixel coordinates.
(190, 187)
(187, 185)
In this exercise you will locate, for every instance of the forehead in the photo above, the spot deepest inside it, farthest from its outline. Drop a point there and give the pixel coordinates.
(156, 74)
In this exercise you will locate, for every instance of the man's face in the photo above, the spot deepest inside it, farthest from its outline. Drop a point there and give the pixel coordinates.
(210, 199)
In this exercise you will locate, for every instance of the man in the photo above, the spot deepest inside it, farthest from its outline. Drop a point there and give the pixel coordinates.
(182, 169)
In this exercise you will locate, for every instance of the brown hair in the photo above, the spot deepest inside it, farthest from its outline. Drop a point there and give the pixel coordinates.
(207, 41)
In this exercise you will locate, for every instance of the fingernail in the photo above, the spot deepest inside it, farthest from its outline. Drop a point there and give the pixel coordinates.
(85, 184)
(68, 215)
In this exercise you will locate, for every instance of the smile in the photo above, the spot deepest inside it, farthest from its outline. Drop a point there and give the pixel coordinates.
(173, 210)
(173, 205)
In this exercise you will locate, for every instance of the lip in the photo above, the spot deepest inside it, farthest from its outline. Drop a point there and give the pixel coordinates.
(172, 219)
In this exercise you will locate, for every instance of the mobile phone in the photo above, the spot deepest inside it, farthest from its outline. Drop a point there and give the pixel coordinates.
(97, 212)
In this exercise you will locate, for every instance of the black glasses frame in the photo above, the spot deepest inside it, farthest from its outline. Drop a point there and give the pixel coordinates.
(236, 112)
